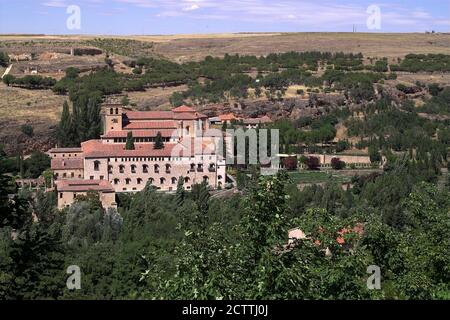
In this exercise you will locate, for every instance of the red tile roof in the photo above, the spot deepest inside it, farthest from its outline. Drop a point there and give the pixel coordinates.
(61, 164)
(83, 186)
(65, 150)
(151, 125)
(183, 109)
(188, 114)
(97, 149)
(227, 117)
(149, 115)
(150, 133)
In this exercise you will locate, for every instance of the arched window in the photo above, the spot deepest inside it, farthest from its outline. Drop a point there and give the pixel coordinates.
(205, 179)
(145, 168)
(156, 168)
(174, 180)
(168, 166)
(139, 181)
(151, 180)
(187, 180)
(133, 168)
(212, 167)
(117, 110)
(193, 167)
(219, 177)
(111, 111)
(110, 169)
(116, 181)
(162, 180)
(121, 168)
(96, 165)
(128, 181)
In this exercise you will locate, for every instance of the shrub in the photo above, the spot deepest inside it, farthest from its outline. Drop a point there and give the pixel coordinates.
(337, 164)
(27, 129)
(290, 163)
(313, 163)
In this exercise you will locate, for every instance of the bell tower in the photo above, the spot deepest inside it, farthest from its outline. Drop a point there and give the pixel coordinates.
(112, 117)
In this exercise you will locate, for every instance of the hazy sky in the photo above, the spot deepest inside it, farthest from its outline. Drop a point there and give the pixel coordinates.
(215, 16)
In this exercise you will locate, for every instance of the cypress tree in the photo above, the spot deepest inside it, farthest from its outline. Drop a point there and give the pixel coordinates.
(65, 126)
(130, 141)
(159, 143)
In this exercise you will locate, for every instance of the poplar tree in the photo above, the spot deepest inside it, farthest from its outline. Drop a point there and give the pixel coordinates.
(65, 126)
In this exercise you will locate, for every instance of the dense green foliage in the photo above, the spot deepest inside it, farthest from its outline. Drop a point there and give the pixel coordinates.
(32, 167)
(422, 62)
(30, 81)
(186, 245)
(4, 59)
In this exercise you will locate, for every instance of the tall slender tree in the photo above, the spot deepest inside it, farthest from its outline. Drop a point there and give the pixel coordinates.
(159, 143)
(130, 141)
(65, 126)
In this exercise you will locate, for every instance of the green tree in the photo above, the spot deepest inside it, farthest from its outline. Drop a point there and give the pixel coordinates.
(65, 126)
(159, 142)
(130, 141)
(4, 59)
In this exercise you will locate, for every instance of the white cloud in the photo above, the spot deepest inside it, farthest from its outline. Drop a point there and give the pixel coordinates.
(191, 8)
(308, 14)
(55, 4)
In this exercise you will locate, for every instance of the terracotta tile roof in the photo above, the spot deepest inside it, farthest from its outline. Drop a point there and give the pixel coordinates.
(150, 133)
(97, 149)
(183, 109)
(227, 117)
(149, 115)
(165, 115)
(189, 116)
(187, 148)
(83, 186)
(61, 164)
(64, 150)
(151, 125)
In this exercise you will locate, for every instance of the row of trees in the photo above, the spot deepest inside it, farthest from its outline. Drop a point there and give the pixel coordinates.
(424, 62)
(29, 81)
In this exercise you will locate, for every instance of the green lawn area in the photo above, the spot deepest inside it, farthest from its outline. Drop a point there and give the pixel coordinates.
(317, 177)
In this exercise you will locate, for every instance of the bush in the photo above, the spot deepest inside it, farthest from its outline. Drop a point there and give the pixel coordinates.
(312, 163)
(137, 70)
(4, 59)
(337, 164)
(290, 163)
(27, 129)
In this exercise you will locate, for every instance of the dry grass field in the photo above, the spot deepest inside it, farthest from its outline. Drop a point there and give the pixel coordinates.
(41, 109)
(194, 47)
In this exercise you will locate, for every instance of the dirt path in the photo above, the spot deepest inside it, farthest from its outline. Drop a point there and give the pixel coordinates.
(7, 70)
